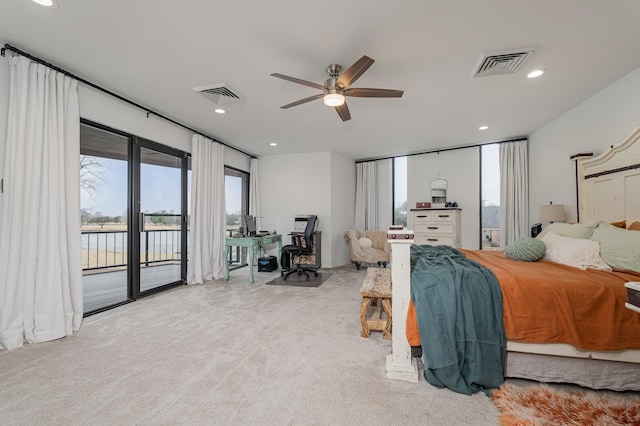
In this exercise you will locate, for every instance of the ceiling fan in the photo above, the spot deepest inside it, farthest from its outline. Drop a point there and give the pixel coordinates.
(337, 86)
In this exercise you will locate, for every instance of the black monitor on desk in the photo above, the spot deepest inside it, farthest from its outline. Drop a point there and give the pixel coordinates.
(249, 225)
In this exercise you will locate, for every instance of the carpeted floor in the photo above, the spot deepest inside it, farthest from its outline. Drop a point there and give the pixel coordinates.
(226, 353)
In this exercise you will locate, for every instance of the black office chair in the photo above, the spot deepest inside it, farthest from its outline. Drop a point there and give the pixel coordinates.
(300, 247)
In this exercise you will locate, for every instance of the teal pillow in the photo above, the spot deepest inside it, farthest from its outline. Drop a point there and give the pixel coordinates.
(526, 249)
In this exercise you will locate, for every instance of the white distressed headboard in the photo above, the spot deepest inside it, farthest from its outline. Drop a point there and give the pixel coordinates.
(609, 184)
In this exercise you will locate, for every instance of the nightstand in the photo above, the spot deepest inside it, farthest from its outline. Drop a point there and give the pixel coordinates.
(633, 295)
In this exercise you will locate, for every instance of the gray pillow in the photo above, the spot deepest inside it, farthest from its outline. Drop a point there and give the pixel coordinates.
(526, 249)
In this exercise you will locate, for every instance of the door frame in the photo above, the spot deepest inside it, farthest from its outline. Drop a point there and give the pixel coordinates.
(135, 143)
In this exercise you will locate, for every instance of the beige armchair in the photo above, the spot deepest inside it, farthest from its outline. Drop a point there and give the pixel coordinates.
(367, 247)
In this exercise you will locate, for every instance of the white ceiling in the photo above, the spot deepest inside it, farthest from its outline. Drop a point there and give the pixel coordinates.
(155, 51)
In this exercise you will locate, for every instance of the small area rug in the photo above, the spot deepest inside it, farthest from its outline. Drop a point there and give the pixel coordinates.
(543, 405)
(296, 280)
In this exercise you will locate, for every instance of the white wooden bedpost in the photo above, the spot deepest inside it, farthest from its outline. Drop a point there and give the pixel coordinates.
(400, 364)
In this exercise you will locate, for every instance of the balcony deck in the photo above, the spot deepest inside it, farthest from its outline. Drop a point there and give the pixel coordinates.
(109, 287)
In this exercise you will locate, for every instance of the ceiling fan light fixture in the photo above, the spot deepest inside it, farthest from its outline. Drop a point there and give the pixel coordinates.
(333, 97)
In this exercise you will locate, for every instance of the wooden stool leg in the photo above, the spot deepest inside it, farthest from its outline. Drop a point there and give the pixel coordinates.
(386, 304)
(363, 317)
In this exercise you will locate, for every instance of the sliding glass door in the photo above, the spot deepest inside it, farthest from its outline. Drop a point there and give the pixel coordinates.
(104, 186)
(134, 227)
(236, 190)
(160, 216)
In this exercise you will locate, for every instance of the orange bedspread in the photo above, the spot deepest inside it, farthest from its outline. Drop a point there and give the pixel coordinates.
(546, 302)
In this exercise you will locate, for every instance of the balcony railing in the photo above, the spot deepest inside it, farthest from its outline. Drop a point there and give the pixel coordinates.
(108, 249)
(105, 249)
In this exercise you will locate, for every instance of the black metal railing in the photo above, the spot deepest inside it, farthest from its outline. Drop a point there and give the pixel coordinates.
(108, 249)
(104, 249)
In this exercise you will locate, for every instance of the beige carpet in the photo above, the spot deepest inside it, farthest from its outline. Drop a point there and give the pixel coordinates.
(226, 354)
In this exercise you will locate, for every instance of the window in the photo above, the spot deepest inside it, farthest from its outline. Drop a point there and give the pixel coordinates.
(490, 195)
(400, 191)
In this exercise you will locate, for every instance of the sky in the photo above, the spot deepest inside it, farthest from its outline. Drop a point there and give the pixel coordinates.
(160, 189)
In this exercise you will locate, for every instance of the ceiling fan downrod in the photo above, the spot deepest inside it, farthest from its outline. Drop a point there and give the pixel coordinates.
(334, 70)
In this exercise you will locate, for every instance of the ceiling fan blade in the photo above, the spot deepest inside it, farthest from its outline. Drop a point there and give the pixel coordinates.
(343, 112)
(302, 101)
(354, 72)
(297, 80)
(373, 93)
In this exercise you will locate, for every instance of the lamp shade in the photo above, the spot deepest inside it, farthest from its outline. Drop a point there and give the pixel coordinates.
(552, 213)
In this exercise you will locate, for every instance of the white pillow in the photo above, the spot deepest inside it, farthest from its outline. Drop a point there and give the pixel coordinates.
(576, 252)
(365, 242)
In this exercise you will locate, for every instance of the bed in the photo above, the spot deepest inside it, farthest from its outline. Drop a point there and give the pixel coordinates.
(603, 349)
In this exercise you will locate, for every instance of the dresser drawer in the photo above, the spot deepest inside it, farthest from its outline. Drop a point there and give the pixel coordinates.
(433, 228)
(443, 217)
(436, 227)
(422, 217)
(433, 240)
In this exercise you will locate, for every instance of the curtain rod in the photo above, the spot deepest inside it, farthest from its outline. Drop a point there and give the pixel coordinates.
(442, 150)
(115, 95)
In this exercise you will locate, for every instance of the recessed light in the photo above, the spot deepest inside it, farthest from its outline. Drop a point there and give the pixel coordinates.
(273, 144)
(220, 110)
(536, 73)
(45, 3)
(483, 127)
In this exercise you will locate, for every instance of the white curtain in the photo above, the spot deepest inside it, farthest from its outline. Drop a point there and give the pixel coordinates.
(366, 217)
(514, 192)
(254, 198)
(40, 270)
(208, 215)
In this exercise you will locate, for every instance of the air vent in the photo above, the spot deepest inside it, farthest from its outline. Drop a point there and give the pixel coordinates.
(507, 62)
(220, 94)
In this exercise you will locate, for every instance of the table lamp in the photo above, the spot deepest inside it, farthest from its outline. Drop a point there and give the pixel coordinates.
(552, 213)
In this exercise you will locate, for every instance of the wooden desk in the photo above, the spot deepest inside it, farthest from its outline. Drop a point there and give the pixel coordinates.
(252, 243)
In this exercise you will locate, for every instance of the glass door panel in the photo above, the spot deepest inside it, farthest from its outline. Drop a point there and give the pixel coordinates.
(160, 218)
(236, 190)
(103, 206)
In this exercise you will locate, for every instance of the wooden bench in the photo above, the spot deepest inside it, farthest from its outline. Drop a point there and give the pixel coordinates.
(376, 285)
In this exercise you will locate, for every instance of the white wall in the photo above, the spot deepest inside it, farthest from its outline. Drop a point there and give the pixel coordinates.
(343, 206)
(604, 119)
(461, 169)
(321, 183)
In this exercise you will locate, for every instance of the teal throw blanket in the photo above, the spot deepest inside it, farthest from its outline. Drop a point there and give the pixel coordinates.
(459, 311)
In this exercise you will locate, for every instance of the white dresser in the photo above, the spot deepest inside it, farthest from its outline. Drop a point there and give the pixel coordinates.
(436, 226)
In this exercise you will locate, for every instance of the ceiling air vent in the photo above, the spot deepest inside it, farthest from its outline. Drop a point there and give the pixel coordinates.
(507, 62)
(220, 94)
